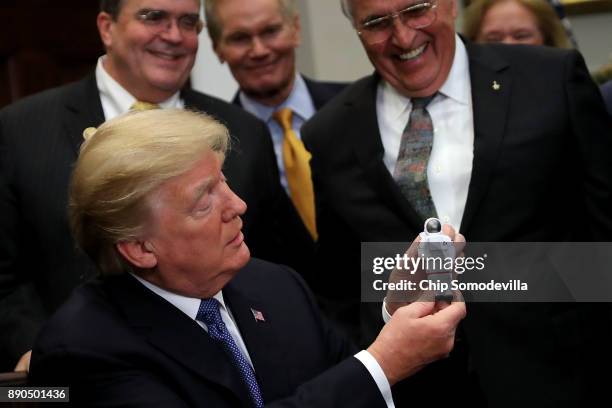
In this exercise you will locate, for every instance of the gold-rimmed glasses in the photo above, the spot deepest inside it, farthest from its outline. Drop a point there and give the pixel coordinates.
(415, 16)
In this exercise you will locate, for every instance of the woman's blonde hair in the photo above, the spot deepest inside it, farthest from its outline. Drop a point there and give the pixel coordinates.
(121, 164)
(548, 22)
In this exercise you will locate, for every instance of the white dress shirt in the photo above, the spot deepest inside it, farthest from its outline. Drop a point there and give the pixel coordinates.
(190, 307)
(450, 164)
(116, 100)
(300, 102)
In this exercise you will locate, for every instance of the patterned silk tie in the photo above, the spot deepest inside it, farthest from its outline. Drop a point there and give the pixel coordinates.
(209, 314)
(297, 169)
(411, 168)
(143, 106)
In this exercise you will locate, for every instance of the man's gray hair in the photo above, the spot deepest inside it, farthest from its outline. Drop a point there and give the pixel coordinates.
(288, 9)
(347, 9)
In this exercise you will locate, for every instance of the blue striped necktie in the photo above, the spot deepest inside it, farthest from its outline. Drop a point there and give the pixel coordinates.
(209, 314)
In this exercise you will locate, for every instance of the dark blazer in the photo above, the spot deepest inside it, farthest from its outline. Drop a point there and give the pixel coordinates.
(299, 251)
(39, 141)
(606, 91)
(116, 343)
(541, 172)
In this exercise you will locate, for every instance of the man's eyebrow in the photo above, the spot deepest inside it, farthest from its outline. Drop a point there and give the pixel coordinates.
(202, 189)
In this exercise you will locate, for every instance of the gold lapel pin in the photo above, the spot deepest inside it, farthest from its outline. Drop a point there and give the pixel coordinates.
(496, 86)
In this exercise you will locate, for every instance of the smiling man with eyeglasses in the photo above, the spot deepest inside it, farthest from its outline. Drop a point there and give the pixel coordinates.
(150, 47)
(505, 143)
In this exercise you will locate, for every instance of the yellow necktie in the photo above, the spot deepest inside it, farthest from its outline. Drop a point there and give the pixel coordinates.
(297, 169)
(143, 106)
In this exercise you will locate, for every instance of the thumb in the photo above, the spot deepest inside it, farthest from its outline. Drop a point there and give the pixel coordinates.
(418, 309)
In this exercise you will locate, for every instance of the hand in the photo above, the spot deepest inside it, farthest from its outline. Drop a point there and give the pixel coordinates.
(416, 335)
(24, 362)
(398, 298)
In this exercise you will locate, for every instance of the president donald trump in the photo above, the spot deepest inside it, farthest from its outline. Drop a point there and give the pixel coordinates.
(181, 316)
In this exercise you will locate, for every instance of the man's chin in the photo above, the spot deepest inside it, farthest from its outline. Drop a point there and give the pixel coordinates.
(263, 92)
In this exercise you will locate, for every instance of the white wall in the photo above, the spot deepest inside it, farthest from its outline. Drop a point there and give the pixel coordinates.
(330, 49)
(594, 35)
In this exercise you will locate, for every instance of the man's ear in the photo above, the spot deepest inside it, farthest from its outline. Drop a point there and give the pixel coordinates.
(138, 253)
(298, 30)
(454, 9)
(105, 27)
(218, 51)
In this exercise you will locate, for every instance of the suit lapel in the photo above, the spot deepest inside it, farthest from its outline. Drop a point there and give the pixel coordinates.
(176, 335)
(367, 145)
(83, 110)
(236, 100)
(318, 99)
(491, 91)
(262, 340)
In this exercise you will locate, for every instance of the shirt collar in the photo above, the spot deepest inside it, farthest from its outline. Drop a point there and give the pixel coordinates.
(187, 305)
(299, 101)
(456, 86)
(120, 99)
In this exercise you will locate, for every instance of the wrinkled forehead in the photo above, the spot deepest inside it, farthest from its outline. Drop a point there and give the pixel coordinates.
(360, 8)
(192, 5)
(364, 9)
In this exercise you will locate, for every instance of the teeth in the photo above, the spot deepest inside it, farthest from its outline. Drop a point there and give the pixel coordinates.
(412, 54)
(165, 56)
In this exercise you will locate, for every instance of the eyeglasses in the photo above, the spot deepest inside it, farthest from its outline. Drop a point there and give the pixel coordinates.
(416, 16)
(162, 20)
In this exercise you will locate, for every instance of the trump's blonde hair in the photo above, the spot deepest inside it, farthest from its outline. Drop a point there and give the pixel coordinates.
(120, 167)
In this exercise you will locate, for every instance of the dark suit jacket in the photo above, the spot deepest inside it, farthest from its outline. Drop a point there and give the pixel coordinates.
(300, 251)
(606, 91)
(39, 141)
(541, 172)
(116, 343)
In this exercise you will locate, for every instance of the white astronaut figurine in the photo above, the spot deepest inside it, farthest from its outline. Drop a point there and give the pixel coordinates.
(438, 248)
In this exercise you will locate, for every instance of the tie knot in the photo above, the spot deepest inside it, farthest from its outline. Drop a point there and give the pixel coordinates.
(208, 313)
(143, 106)
(283, 117)
(421, 103)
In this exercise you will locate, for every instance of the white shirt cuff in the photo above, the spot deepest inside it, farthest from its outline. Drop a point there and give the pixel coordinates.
(377, 374)
(385, 314)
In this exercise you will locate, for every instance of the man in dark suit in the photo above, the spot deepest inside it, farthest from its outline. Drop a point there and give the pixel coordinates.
(170, 323)
(150, 52)
(258, 40)
(518, 150)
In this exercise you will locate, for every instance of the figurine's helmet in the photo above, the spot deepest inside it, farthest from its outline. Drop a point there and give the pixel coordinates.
(433, 226)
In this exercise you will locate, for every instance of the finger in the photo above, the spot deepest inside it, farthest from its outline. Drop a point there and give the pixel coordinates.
(449, 231)
(453, 313)
(413, 249)
(418, 309)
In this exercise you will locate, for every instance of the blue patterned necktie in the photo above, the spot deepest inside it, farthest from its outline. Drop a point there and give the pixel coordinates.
(209, 314)
(411, 167)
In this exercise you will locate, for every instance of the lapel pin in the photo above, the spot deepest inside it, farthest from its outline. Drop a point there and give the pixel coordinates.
(89, 132)
(496, 86)
(257, 315)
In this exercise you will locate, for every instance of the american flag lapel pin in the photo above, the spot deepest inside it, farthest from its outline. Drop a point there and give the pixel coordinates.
(258, 316)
